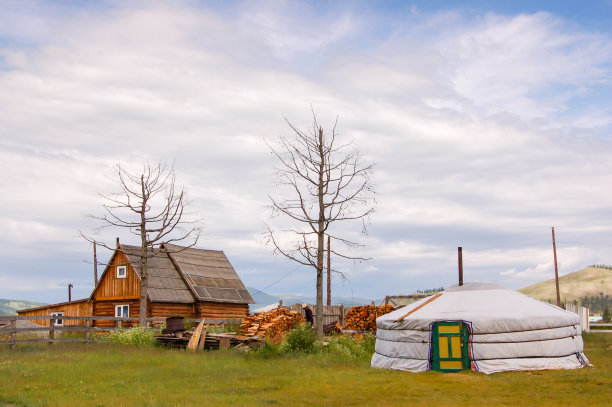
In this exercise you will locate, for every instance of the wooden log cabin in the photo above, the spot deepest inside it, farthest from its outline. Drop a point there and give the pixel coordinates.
(188, 282)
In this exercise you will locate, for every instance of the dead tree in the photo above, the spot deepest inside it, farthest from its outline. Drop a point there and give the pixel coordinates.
(323, 182)
(150, 205)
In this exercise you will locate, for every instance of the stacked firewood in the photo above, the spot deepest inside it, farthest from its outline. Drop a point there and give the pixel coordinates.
(272, 324)
(363, 317)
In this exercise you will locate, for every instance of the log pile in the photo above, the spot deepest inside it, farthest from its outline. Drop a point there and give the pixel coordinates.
(363, 317)
(272, 324)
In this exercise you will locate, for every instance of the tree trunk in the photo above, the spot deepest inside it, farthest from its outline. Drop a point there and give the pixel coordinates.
(320, 241)
(144, 275)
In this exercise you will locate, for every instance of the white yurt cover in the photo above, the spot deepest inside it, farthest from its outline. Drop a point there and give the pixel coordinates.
(508, 331)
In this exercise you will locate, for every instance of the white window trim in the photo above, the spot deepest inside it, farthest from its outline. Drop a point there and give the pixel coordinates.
(118, 307)
(121, 271)
(58, 322)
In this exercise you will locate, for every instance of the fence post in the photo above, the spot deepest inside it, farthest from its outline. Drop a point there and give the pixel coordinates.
(87, 326)
(342, 314)
(51, 331)
(13, 334)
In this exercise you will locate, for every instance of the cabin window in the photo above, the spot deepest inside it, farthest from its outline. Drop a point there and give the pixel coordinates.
(122, 311)
(121, 271)
(58, 322)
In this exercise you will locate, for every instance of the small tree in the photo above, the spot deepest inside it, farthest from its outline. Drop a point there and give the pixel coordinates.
(151, 206)
(607, 317)
(323, 182)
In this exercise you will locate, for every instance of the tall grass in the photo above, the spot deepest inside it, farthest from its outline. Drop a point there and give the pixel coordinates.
(116, 375)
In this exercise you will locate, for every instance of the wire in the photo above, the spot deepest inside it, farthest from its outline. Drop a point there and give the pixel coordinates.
(286, 275)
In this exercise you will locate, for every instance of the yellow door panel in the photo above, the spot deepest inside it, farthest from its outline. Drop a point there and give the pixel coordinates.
(451, 364)
(448, 329)
(455, 346)
(443, 347)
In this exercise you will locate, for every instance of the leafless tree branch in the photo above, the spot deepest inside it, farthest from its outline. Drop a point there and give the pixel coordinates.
(325, 182)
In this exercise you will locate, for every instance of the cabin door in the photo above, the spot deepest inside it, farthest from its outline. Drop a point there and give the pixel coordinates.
(450, 346)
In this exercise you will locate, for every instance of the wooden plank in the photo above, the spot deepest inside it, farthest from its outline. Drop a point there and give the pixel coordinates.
(420, 306)
(202, 337)
(193, 342)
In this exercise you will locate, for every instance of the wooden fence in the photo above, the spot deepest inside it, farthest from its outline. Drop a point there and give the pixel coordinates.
(599, 325)
(330, 314)
(8, 326)
(583, 313)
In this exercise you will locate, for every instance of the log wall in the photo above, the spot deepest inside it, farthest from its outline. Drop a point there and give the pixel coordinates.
(107, 309)
(218, 310)
(76, 308)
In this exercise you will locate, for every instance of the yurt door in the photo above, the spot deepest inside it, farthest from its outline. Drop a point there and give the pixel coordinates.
(450, 347)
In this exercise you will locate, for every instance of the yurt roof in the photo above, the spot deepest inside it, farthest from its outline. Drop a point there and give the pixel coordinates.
(487, 307)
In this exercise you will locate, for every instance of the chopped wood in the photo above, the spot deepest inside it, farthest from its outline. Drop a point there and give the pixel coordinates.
(272, 324)
(332, 328)
(363, 317)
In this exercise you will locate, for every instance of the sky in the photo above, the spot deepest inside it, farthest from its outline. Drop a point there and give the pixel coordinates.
(488, 124)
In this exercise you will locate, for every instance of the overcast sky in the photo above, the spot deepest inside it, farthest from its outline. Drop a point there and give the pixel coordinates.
(488, 124)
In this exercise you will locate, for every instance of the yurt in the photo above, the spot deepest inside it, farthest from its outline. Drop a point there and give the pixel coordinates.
(482, 327)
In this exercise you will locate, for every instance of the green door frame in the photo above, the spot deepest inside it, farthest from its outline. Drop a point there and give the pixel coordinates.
(442, 334)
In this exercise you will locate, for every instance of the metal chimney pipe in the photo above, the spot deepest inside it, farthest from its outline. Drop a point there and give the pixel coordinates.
(460, 261)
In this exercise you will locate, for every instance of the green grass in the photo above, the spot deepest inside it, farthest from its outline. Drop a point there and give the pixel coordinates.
(116, 375)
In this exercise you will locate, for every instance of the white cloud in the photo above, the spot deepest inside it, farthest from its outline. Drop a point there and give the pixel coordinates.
(486, 130)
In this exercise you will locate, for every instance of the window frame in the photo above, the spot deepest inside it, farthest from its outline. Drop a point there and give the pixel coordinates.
(124, 274)
(58, 322)
(122, 307)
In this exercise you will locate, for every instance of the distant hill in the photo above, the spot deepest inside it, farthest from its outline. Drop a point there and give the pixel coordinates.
(589, 282)
(10, 307)
(263, 299)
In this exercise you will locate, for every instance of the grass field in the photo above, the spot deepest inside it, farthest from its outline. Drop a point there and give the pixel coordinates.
(115, 375)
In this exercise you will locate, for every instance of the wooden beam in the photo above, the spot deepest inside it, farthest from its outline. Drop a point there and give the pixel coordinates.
(435, 297)
(195, 338)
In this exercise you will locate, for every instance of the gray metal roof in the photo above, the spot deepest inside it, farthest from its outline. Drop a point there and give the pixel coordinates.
(178, 274)
(210, 275)
(165, 282)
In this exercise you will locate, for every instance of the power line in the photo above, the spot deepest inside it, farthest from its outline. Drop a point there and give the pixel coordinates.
(286, 275)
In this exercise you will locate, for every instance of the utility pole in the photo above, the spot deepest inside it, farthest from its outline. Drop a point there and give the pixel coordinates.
(328, 271)
(95, 266)
(556, 268)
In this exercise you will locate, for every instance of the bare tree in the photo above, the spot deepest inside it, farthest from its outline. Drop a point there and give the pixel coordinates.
(326, 182)
(150, 205)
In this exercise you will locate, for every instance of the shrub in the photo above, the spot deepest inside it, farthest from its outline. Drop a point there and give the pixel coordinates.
(349, 348)
(606, 315)
(138, 336)
(301, 339)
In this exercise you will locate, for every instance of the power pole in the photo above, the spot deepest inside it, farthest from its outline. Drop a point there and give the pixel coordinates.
(556, 268)
(328, 271)
(95, 266)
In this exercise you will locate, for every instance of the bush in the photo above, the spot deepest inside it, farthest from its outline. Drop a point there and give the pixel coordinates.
(138, 336)
(349, 348)
(607, 317)
(301, 339)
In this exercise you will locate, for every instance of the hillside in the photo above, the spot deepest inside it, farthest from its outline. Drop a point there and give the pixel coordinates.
(262, 299)
(10, 307)
(589, 282)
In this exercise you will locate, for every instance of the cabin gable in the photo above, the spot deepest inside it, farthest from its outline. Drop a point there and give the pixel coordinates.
(112, 285)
